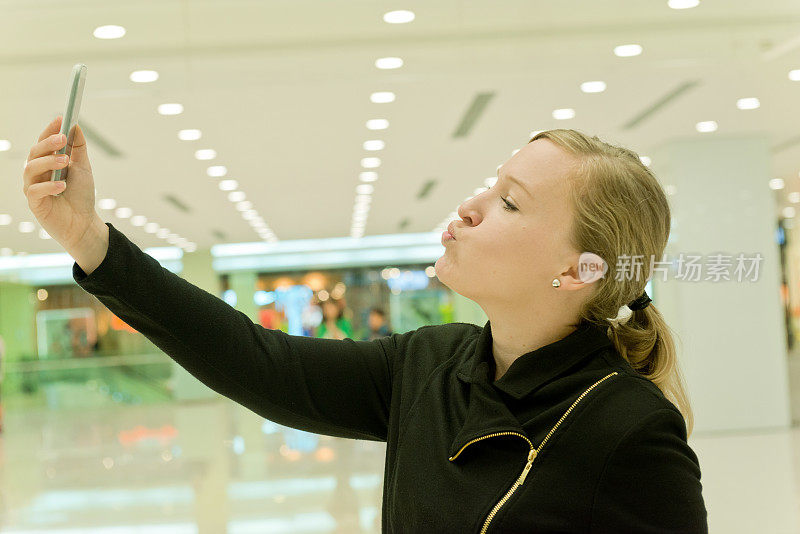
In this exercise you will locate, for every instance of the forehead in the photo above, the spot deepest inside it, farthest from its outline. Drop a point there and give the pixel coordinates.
(540, 166)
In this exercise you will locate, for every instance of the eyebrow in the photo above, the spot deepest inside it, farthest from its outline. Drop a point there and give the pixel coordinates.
(519, 184)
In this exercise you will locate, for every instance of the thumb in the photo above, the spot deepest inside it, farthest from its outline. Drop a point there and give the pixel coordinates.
(79, 153)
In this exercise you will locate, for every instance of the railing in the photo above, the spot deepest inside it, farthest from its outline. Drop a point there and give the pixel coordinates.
(96, 381)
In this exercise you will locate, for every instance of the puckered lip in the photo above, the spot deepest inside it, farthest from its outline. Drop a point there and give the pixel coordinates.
(451, 230)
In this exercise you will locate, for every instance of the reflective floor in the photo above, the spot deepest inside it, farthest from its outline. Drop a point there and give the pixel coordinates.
(215, 467)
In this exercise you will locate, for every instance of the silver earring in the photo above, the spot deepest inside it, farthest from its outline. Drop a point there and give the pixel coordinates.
(556, 282)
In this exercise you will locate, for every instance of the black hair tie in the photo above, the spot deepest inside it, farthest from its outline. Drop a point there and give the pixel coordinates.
(640, 303)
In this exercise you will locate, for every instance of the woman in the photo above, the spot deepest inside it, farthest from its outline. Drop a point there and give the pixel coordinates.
(334, 324)
(550, 418)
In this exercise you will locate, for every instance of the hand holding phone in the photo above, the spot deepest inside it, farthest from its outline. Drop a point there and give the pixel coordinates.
(67, 218)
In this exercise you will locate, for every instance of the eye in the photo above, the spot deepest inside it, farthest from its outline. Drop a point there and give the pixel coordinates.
(508, 206)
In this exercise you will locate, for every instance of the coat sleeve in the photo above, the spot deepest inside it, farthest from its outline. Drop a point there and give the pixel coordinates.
(335, 387)
(651, 481)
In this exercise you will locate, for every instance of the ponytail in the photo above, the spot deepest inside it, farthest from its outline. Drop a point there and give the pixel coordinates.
(645, 340)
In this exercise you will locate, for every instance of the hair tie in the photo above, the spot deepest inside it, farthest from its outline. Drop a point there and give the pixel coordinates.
(641, 302)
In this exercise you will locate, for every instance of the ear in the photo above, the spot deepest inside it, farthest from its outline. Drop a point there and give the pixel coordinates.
(587, 269)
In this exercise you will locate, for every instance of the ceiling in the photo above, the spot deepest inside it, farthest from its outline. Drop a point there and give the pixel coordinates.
(280, 90)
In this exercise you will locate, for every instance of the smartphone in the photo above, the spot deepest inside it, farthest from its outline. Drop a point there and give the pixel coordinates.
(73, 107)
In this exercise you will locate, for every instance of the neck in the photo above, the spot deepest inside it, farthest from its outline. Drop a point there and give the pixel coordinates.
(514, 336)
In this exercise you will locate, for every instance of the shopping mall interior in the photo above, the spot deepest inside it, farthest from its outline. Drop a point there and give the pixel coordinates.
(303, 162)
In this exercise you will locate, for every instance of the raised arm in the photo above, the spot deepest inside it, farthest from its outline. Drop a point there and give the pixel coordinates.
(326, 386)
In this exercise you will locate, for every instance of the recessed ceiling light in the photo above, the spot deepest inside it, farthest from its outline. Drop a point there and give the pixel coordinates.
(244, 205)
(144, 76)
(170, 109)
(123, 213)
(565, 113)
(190, 247)
(683, 4)
(706, 126)
(26, 227)
(189, 135)
(399, 16)
(788, 212)
(382, 97)
(250, 214)
(794, 197)
(43, 234)
(370, 163)
(109, 31)
(5, 145)
(593, 87)
(205, 153)
(138, 220)
(794, 75)
(236, 196)
(377, 124)
(151, 227)
(5, 219)
(162, 233)
(368, 176)
(389, 63)
(217, 171)
(228, 185)
(107, 204)
(628, 50)
(776, 184)
(748, 103)
(364, 189)
(374, 144)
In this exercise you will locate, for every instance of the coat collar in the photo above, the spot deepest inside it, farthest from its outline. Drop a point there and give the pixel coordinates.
(533, 369)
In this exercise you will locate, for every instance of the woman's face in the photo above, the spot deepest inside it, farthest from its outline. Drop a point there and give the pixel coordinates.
(501, 256)
(330, 310)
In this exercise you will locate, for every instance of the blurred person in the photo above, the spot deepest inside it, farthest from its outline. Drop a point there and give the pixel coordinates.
(565, 412)
(377, 324)
(334, 324)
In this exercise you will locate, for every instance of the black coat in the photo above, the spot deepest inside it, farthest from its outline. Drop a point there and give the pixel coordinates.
(569, 439)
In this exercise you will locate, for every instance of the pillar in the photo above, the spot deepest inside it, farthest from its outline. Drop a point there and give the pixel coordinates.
(730, 334)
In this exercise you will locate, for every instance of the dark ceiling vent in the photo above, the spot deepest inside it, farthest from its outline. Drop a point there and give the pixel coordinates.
(660, 104)
(402, 224)
(177, 203)
(218, 234)
(472, 115)
(426, 188)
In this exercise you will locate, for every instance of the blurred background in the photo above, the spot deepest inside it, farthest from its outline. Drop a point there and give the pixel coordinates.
(301, 159)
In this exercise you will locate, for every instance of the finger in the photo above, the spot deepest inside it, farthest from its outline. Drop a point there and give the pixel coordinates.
(47, 146)
(52, 128)
(37, 192)
(39, 169)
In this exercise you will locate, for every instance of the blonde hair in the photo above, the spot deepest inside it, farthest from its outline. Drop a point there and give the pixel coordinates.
(620, 209)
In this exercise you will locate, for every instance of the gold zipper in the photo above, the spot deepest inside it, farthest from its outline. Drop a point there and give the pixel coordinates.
(534, 452)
